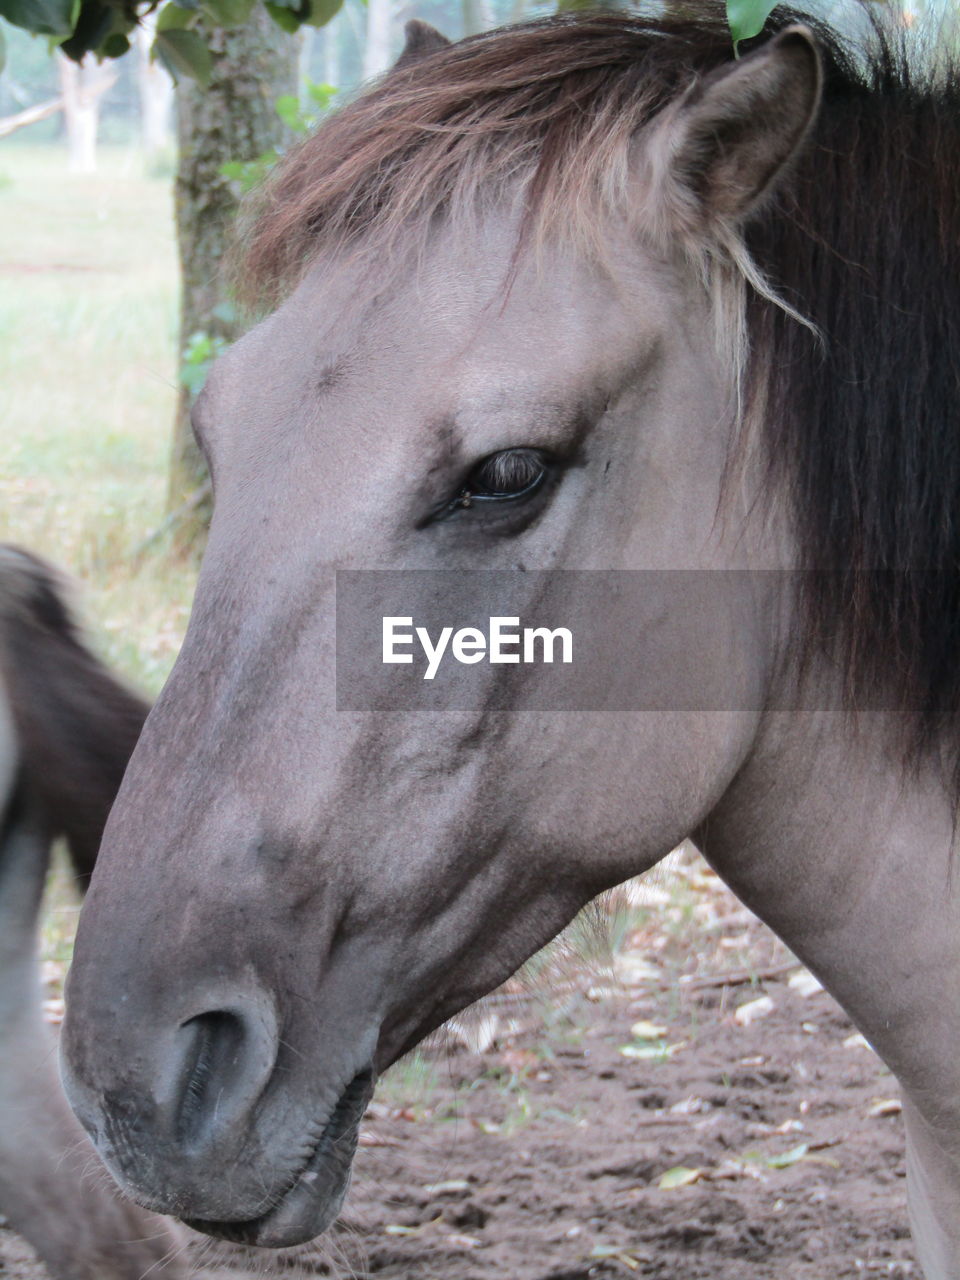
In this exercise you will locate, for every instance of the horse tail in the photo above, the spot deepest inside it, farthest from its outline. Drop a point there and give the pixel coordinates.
(76, 724)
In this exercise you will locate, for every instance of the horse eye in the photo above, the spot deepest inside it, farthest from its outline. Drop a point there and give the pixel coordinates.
(512, 473)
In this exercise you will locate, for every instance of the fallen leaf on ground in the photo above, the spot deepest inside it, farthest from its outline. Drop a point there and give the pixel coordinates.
(804, 983)
(616, 1253)
(368, 1139)
(788, 1126)
(679, 1177)
(786, 1158)
(885, 1107)
(462, 1242)
(652, 1052)
(750, 1012)
(857, 1041)
(689, 1106)
(634, 970)
(735, 1169)
(644, 1030)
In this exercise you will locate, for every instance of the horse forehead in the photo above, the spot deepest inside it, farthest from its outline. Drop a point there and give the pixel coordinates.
(464, 300)
(456, 328)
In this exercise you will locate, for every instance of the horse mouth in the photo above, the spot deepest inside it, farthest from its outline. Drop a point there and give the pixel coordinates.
(313, 1197)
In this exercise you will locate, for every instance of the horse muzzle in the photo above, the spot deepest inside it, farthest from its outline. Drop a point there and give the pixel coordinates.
(312, 1200)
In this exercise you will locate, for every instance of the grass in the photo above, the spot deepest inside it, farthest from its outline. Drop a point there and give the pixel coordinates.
(88, 305)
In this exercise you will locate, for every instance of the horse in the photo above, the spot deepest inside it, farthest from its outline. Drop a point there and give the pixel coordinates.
(67, 729)
(590, 293)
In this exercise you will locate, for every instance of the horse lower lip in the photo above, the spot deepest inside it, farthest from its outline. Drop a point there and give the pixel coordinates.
(312, 1201)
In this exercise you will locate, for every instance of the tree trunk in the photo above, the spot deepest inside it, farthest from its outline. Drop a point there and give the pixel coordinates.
(232, 119)
(331, 52)
(477, 17)
(81, 86)
(156, 95)
(376, 55)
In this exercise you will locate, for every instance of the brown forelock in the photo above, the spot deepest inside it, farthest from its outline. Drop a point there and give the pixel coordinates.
(555, 102)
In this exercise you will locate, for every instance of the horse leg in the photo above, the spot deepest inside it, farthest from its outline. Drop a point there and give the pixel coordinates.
(53, 1189)
(933, 1182)
(858, 877)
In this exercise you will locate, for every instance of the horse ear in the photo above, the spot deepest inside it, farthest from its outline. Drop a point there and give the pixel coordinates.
(420, 39)
(730, 138)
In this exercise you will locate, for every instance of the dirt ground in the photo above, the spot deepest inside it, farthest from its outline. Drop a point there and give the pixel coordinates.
(652, 1122)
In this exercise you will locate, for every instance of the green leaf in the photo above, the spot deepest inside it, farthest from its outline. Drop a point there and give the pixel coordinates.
(321, 94)
(321, 11)
(228, 13)
(201, 350)
(288, 109)
(94, 24)
(175, 17)
(249, 173)
(746, 18)
(680, 1176)
(115, 46)
(42, 17)
(788, 1158)
(285, 18)
(183, 52)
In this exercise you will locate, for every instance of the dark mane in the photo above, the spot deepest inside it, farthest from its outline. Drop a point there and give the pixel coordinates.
(863, 432)
(76, 725)
(862, 237)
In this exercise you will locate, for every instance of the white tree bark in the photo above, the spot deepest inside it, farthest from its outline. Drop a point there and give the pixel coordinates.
(10, 124)
(82, 86)
(156, 94)
(331, 52)
(477, 17)
(377, 53)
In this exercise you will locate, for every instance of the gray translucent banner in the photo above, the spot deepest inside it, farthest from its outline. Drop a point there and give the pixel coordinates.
(591, 640)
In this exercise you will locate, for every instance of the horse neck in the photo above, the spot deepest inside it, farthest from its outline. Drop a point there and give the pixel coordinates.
(850, 858)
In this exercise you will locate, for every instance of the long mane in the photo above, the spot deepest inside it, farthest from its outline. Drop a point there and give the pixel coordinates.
(76, 725)
(861, 432)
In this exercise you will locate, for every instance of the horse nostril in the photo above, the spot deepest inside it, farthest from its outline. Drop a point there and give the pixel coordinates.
(215, 1070)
